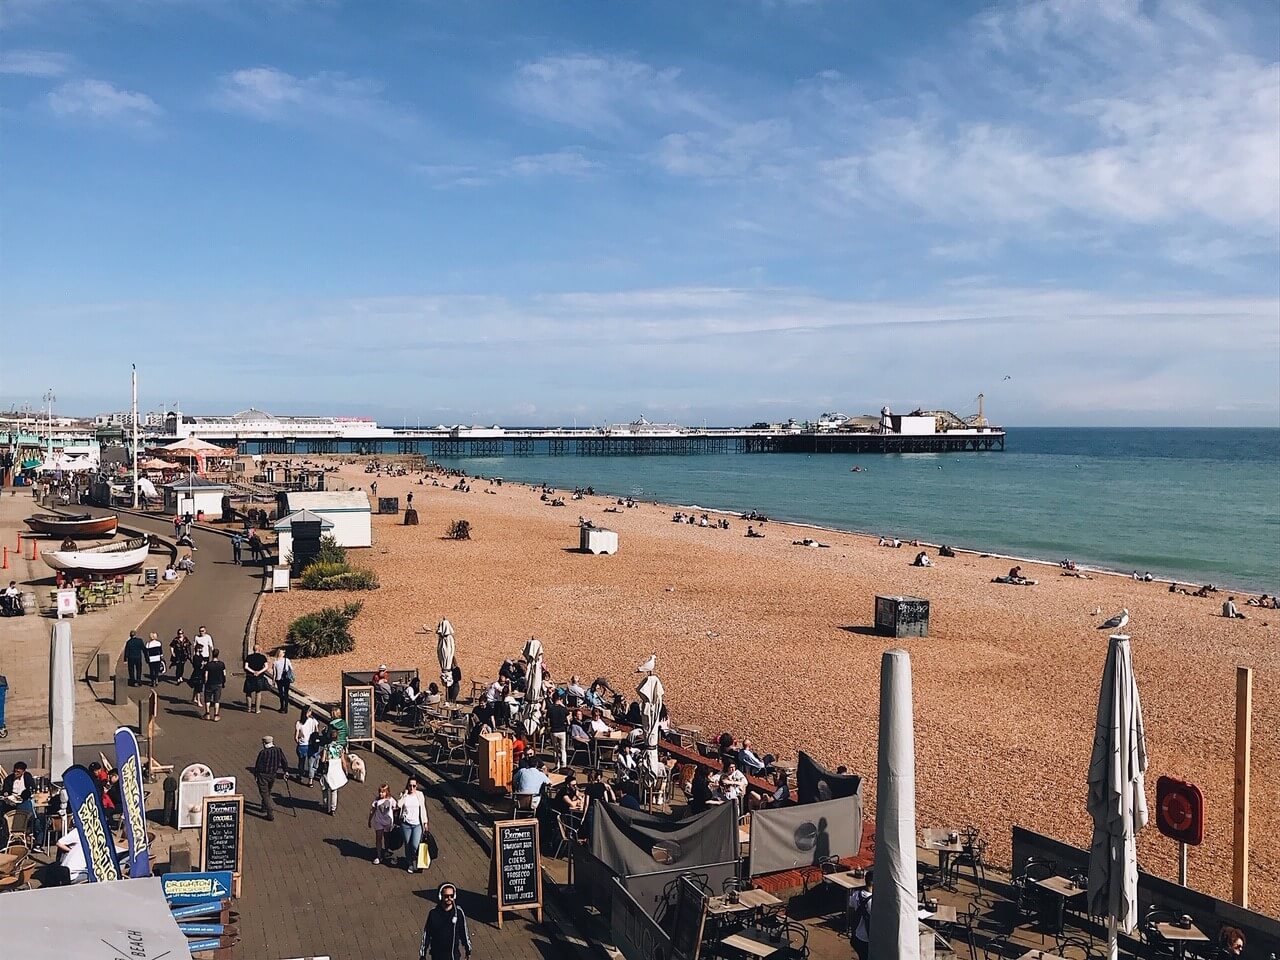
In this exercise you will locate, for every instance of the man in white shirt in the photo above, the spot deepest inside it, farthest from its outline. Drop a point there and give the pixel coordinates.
(733, 782)
(73, 856)
(202, 644)
(598, 726)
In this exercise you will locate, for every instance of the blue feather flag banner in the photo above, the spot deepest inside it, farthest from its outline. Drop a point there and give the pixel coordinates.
(91, 823)
(133, 801)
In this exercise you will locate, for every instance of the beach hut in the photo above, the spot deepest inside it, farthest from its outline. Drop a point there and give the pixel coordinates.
(194, 494)
(285, 525)
(348, 510)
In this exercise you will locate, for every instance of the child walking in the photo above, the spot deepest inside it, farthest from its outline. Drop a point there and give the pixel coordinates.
(382, 818)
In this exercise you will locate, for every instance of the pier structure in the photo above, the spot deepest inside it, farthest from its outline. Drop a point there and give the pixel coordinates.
(595, 443)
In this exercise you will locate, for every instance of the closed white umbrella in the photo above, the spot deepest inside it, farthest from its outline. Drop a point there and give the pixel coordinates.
(446, 650)
(895, 923)
(1117, 795)
(650, 693)
(62, 698)
(531, 715)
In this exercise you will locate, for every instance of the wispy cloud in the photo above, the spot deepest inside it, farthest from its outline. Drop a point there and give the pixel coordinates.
(606, 95)
(271, 94)
(98, 101)
(35, 63)
(570, 162)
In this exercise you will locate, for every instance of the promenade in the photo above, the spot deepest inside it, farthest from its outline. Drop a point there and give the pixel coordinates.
(309, 887)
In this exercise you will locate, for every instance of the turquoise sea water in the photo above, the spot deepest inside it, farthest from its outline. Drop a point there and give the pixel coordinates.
(1197, 505)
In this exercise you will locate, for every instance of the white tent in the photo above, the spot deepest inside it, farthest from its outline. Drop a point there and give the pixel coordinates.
(895, 923)
(1117, 795)
(67, 464)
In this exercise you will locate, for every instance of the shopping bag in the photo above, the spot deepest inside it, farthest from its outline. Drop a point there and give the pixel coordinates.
(424, 857)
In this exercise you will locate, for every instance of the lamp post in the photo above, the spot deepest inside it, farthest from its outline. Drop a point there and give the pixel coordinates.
(49, 398)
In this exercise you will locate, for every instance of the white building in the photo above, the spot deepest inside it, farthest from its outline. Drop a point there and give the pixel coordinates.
(348, 510)
(284, 531)
(257, 424)
(194, 495)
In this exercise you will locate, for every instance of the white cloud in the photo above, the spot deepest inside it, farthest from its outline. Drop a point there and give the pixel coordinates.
(35, 63)
(101, 102)
(606, 95)
(270, 94)
(569, 162)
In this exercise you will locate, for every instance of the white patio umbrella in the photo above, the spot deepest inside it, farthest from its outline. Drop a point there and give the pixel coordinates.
(895, 923)
(531, 713)
(62, 698)
(1117, 795)
(650, 693)
(446, 650)
(532, 650)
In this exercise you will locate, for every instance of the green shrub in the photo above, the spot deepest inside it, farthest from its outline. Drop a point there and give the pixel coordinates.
(324, 632)
(319, 575)
(459, 530)
(330, 550)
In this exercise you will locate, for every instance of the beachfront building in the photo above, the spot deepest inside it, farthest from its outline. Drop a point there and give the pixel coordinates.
(195, 494)
(258, 425)
(348, 510)
(284, 531)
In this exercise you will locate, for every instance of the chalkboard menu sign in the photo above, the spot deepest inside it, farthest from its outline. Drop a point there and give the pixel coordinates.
(691, 918)
(357, 711)
(152, 575)
(222, 835)
(518, 870)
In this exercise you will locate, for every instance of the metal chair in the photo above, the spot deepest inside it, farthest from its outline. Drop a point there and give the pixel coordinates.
(1156, 945)
(972, 855)
(1080, 947)
(18, 829)
(524, 805)
(568, 834)
(578, 748)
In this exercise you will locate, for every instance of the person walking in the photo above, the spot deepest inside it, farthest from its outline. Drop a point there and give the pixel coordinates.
(382, 819)
(413, 821)
(445, 935)
(214, 678)
(255, 679)
(201, 650)
(304, 731)
(270, 764)
(282, 674)
(179, 653)
(155, 657)
(333, 775)
(135, 652)
(237, 544)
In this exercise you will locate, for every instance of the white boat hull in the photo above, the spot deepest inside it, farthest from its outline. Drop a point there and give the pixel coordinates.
(116, 558)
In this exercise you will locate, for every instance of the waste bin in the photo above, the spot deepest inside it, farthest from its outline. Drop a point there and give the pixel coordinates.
(4, 693)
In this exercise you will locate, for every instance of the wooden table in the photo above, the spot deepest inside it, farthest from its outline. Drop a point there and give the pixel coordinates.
(753, 943)
(1063, 890)
(944, 914)
(719, 906)
(846, 880)
(1181, 936)
(758, 899)
(939, 840)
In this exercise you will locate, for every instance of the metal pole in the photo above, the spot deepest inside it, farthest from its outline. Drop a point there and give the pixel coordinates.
(1240, 839)
(135, 435)
(1182, 864)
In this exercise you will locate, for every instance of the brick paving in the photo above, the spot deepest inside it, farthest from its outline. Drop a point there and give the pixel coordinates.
(309, 887)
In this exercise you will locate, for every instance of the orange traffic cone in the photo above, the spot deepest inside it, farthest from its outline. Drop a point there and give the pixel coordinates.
(35, 549)
(5, 565)
(19, 541)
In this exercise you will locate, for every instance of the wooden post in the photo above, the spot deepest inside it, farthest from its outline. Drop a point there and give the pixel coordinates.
(1244, 722)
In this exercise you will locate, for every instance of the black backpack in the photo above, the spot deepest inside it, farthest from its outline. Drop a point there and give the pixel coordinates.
(314, 742)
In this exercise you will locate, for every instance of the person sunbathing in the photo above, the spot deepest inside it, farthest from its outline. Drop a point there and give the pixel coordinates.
(922, 560)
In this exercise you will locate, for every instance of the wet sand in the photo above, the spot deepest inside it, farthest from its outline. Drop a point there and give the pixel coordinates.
(773, 641)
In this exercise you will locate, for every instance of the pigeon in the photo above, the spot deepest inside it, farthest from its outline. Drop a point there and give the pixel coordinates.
(649, 665)
(1117, 622)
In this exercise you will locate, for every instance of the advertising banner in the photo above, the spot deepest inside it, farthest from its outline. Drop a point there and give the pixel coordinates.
(197, 888)
(91, 824)
(133, 801)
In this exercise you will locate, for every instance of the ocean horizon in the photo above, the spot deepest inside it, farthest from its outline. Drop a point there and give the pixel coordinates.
(1196, 504)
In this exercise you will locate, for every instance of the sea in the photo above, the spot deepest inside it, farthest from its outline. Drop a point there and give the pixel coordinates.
(1196, 505)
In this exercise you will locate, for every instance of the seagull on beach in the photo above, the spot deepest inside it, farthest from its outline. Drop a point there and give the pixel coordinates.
(1117, 622)
(649, 665)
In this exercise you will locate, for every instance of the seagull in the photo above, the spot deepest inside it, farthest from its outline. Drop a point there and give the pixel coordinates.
(649, 665)
(1117, 622)
(1006, 378)
(1097, 611)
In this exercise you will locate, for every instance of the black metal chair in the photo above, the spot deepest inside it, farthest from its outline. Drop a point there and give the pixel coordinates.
(1154, 945)
(1028, 896)
(973, 856)
(1077, 946)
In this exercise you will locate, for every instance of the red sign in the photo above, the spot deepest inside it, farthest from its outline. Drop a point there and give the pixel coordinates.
(1180, 810)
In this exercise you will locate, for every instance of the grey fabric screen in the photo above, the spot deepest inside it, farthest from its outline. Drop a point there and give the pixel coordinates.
(788, 837)
(630, 842)
(815, 782)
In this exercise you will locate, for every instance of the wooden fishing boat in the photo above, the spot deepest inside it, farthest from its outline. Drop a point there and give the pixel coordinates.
(108, 559)
(83, 525)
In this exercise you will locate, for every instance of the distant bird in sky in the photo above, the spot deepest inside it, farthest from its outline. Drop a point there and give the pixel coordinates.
(1008, 378)
(1117, 622)
(649, 665)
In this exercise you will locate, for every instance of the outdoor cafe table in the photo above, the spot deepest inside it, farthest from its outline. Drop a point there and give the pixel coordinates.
(939, 840)
(753, 943)
(1062, 890)
(943, 914)
(758, 899)
(1040, 955)
(1181, 936)
(845, 879)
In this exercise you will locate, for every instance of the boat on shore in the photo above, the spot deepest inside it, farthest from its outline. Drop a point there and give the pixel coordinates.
(107, 559)
(83, 525)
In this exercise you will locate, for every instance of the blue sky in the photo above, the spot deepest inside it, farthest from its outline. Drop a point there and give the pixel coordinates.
(540, 212)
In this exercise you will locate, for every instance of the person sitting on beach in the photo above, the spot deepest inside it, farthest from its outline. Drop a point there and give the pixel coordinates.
(922, 560)
(1015, 573)
(1229, 610)
(1202, 592)
(946, 551)
(187, 564)
(751, 532)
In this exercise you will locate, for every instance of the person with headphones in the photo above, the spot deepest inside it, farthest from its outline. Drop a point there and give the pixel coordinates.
(445, 935)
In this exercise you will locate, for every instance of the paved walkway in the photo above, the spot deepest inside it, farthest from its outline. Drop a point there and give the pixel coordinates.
(309, 887)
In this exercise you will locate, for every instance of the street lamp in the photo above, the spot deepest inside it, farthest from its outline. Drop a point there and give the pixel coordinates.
(49, 398)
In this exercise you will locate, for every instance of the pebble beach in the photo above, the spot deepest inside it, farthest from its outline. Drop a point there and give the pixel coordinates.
(774, 641)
